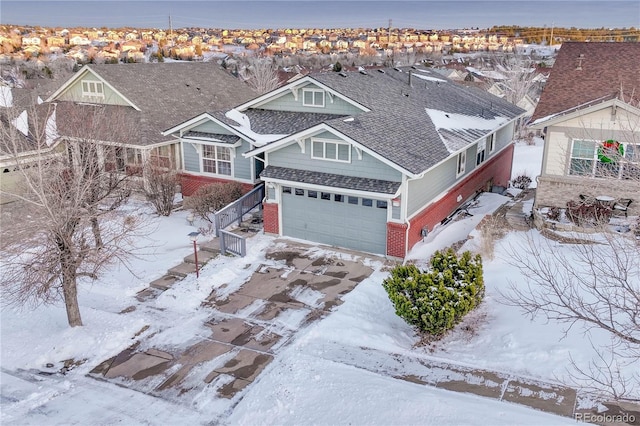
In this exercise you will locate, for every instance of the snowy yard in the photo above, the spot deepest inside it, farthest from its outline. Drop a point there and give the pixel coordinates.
(319, 377)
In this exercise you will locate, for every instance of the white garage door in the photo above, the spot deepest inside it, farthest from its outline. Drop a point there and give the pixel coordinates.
(330, 218)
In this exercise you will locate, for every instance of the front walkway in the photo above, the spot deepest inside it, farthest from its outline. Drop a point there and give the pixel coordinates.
(245, 330)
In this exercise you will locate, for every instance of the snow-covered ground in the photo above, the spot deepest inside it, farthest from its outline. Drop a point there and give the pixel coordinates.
(313, 380)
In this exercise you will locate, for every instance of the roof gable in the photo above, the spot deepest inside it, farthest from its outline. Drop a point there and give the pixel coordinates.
(320, 129)
(583, 72)
(584, 110)
(294, 87)
(164, 93)
(88, 74)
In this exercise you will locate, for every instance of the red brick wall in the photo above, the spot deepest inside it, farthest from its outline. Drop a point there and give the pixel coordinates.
(496, 170)
(396, 233)
(270, 218)
(190, 183)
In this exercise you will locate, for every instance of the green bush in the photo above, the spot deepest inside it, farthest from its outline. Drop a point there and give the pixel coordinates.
(434, 301)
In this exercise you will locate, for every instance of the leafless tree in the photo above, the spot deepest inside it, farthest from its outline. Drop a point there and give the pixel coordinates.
(595, 285)
(160, 187)
(261, 74)
(520, 79)
(78, 228)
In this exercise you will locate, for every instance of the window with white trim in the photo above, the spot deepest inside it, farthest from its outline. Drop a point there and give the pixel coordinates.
(313, 98)
(462, 163)
(330, 150)
(216, 160)
(161, 156)
(92, 88)
(583, 156)
(605, 159)
(491, 140)
(480, 153)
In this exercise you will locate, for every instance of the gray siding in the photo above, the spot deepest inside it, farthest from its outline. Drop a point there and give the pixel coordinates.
(287, 102)
(505, 136)
(211, 127)
(424, 190)
(191, 158)
(74, 93)
(242, 165)
(369, 167)
(442, 177)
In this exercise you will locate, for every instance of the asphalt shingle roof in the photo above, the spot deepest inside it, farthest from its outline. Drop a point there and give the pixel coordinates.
(284, 122)
(273, 122)
(230, 139)
(584, 72)
(332, 180)
(398, 127)
(170, 93)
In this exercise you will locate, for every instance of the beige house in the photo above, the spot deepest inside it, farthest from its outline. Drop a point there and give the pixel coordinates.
(590, 117)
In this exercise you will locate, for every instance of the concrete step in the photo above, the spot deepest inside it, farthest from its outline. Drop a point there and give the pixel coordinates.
(203, 256)
(182, 270)
(210, 246)
(163, 283)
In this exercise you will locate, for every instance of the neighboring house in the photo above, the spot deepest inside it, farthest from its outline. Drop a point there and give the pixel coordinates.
(145, 98)
(589, 112)
(368, 161)
(527, 102)
(28, 133)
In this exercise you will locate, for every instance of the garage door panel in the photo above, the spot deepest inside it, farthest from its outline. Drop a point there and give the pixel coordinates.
(335, 223)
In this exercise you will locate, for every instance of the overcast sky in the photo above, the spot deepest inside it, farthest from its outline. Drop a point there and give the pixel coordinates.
(424, 14)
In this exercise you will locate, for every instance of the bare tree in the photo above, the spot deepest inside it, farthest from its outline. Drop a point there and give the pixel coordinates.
(78, 229)
(160, 187)
(520, 77)
(261, 74)
(594, 284)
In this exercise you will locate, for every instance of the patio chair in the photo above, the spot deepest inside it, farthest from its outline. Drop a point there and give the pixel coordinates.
(622, 206)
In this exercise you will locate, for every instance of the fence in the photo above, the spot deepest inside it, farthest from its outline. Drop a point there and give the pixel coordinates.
(238, 208)
(229, 242)
(232, 243)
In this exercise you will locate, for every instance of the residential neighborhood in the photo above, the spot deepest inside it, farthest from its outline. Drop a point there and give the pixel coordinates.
(98, 45)
(135, 45)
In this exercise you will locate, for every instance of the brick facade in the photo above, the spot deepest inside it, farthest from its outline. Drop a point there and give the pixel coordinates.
(190, 183)
(396, 239)
(270, 218)
(496, 171)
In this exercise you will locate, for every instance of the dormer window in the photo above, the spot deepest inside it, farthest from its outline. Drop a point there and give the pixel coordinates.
(313, 98)
(92, 88)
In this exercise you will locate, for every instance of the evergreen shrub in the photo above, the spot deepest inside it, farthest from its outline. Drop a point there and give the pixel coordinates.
(435, 300)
